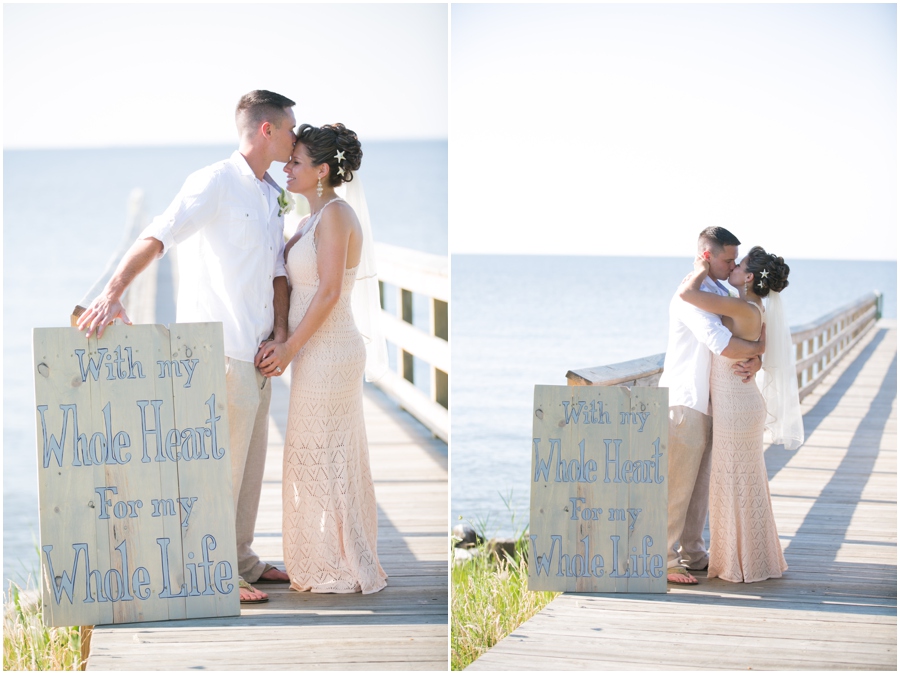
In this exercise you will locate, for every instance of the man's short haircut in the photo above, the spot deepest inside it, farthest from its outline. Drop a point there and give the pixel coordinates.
(716, 238)
(260, 106)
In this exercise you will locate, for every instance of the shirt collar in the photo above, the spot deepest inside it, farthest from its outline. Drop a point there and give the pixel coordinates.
(244, 168)
(269, 179)
(717, 284)
(241, 163)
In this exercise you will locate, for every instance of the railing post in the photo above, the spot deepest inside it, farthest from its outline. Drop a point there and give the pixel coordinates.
(406, 310)
(440, 327)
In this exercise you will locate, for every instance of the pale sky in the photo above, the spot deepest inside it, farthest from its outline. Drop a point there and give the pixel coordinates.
(626, 129)
(100, 75)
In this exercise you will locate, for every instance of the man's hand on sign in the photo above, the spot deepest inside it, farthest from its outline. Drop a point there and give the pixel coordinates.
(102, 311)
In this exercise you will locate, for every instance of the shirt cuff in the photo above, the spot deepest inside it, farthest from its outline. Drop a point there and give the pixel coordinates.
(718, 339)
(162, 232)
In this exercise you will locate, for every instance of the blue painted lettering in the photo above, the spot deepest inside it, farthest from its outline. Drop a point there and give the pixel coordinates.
(93, 366)
(542, 562)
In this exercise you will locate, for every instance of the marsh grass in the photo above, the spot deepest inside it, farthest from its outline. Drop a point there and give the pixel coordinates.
(490, 599)
(31, 646)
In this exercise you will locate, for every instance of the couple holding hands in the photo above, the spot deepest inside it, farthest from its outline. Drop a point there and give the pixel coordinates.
(310, 304)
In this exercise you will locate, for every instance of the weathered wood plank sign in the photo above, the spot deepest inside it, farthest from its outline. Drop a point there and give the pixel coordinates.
(134, 475)
(599, 489)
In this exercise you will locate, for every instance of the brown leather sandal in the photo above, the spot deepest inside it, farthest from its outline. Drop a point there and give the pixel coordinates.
(680, 571)
(243, 584)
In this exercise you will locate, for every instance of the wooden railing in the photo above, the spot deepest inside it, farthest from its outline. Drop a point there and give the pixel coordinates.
(405, 272)
(820, 345)
(140, 296)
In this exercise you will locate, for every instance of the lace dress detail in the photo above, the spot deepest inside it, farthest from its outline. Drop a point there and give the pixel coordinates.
(744, 545)
(330, 520)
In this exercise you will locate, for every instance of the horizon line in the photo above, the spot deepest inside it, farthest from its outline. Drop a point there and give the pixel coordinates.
(20, 148)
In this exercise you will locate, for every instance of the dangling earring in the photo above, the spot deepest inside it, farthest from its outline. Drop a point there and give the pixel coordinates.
(745, 287)
(319, 188)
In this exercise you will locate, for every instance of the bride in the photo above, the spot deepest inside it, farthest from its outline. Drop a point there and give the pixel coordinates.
(744, 545)
(330, 521)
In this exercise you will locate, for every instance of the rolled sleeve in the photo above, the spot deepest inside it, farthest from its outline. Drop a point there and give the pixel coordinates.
(194, 206)
(707, 328)
(280, 269)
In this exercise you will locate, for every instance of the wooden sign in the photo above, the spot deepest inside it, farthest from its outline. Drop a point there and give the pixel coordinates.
(599, 489)
(134, 475)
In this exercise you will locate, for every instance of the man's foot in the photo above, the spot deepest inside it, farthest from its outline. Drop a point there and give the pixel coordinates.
(249, 594)
(273, 575)
(680, 576)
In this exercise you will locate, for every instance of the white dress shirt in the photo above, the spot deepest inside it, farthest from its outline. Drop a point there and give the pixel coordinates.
(694, 335)
(230, 242)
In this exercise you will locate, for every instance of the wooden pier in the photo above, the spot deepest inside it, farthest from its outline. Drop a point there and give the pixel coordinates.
(835, 502)
(403, 627)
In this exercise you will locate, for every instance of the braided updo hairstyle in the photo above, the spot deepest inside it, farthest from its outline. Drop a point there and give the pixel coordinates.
(777, 277)
(322, 144)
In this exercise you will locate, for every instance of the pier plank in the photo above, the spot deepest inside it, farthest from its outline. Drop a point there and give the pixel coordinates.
(835, 502)
(403, 627)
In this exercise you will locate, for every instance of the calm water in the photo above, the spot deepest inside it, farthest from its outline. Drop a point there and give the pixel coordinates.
(63, 216)
(525, 320)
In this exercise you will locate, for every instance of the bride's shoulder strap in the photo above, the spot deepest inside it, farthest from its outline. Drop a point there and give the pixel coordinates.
(303, 226)
(328, 203)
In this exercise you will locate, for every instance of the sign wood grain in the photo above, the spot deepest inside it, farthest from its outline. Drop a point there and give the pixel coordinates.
(134, 475)
(599, 489)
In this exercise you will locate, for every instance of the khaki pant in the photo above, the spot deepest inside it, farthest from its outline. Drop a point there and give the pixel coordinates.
(690, 454)
(249, 394)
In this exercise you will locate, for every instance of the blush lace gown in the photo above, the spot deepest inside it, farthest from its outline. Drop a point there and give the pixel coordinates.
(330, 521)
(744, 545)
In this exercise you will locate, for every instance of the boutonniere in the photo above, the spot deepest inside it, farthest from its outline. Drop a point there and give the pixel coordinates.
(285, 204)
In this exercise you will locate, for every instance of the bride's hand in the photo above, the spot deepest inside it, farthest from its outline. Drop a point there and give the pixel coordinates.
(274, 359)
(701, 266)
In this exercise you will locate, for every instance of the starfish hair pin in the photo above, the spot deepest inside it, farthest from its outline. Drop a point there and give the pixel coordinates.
(339, 156)
(764, 273)
(760, 285)
(340, 170)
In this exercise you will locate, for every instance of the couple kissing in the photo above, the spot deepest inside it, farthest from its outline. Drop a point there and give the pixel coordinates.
(720, 413)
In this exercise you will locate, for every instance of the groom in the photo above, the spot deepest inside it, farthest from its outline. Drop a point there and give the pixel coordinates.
(230, 236)
(694, 335)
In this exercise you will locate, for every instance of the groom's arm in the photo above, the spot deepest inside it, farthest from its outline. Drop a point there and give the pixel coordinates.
(708, 330)
(281, 304)
(742, 349)
(192, 207)
(749, 353)
(107, 306)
